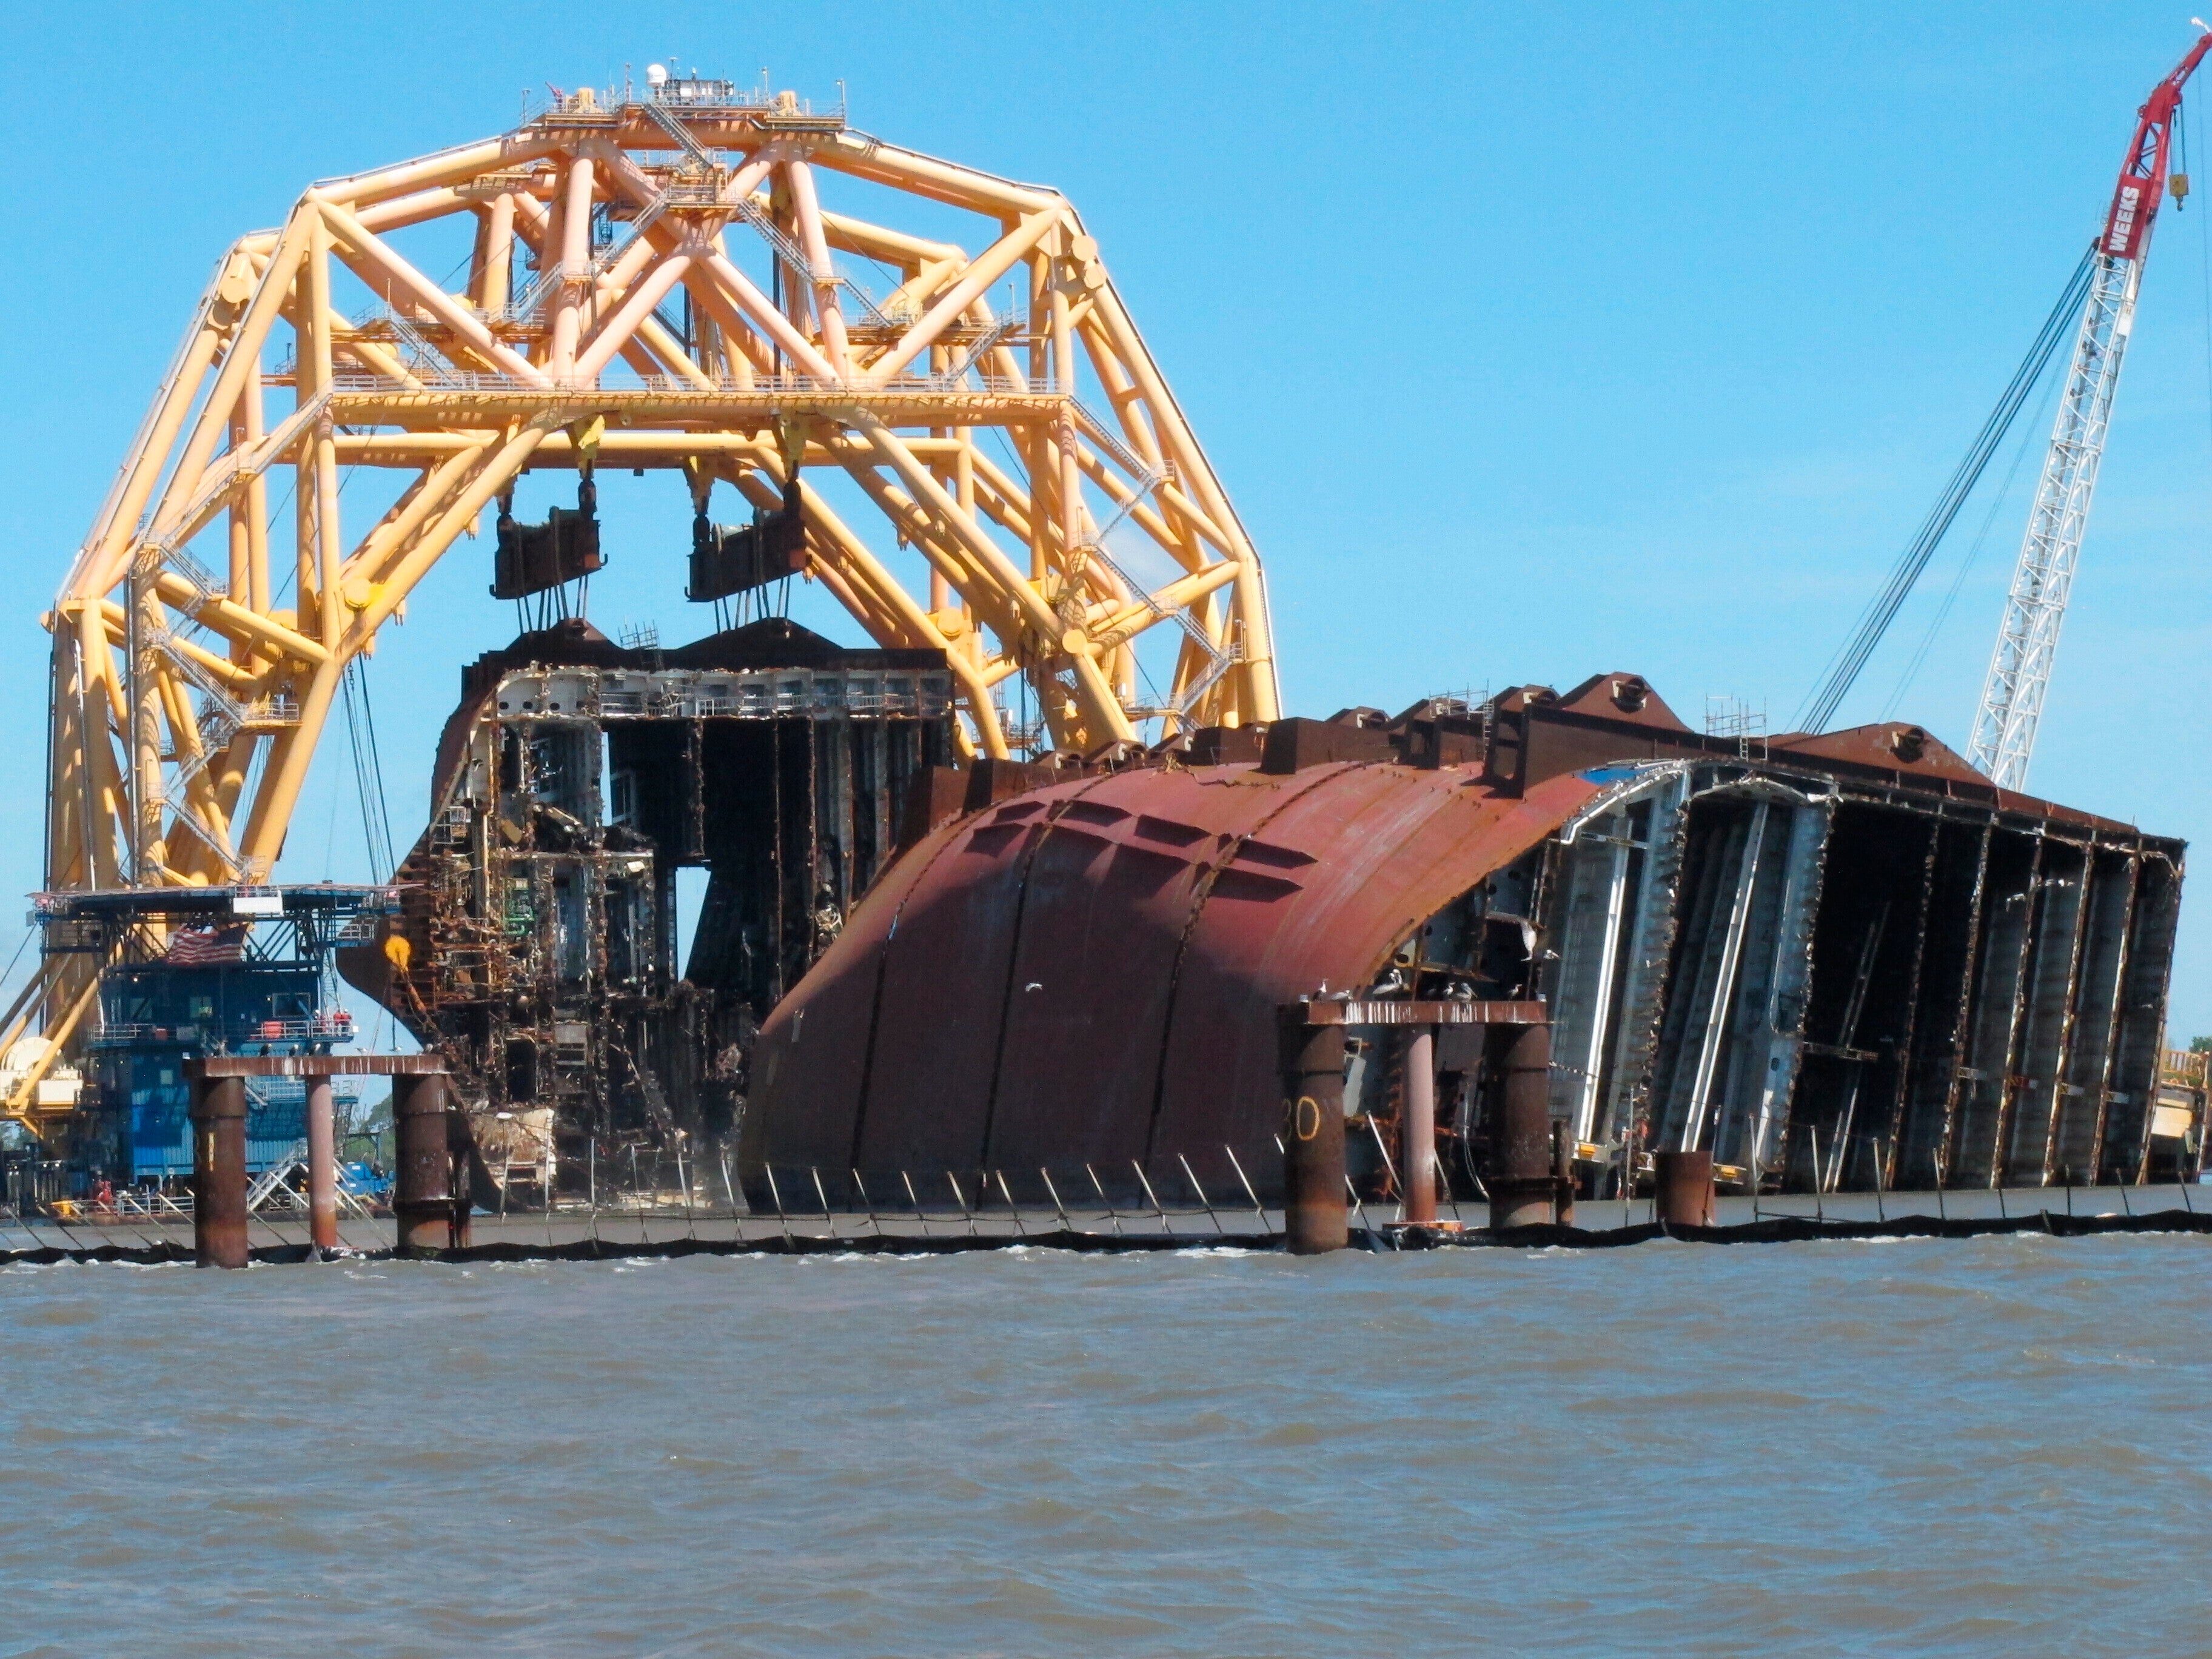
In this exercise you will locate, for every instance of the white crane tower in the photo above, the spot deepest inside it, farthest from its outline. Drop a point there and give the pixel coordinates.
(2019, 668)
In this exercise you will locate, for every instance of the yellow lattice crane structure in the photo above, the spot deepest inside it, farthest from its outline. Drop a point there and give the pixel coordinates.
(653, 280)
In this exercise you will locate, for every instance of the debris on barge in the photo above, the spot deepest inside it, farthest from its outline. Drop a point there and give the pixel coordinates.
(539, 949)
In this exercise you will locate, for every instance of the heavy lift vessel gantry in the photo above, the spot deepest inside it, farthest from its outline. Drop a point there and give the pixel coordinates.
(654, 281)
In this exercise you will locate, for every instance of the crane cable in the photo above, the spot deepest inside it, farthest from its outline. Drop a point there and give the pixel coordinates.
(2003, 493)
(368, 771)
(1844, 667)
(2204, 249)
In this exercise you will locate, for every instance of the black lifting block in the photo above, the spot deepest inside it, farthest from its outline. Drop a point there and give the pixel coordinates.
(533, 557)
(728, 559)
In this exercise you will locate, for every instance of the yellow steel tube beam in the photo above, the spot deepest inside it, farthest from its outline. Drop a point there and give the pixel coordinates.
(492, 478)
(493, 273)
(763, 314)
(397, 212)
(366, 248)
(616, 332)
(1102, 713)
(448, 166)
(567, 298)
(986, 562)
(234, 621)
(244, 680)
(1133, 619)
(145, 465)
(242, 358)
(257, 504)
(371, 561)
(823, 277)
(994, 262)
(925, 175)
(1257, 671)
(101, 702)
(291, 754)
(18, 1103)
(856, 567)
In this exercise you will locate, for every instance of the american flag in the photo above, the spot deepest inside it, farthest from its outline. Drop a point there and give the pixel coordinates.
(197, 947)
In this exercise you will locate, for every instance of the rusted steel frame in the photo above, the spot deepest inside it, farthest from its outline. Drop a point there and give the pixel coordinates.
(218, 1066)
(2008, 1080)
(1331, 1011)
(2063, 1050)
(1652, 936)
(1201, 889)
(807, 835)
(1944, 959)
(1885, 1153)
(2153, 1014)
(1699, 964)
(1946, 1147)
(1820, 812)
(1702, 1117)
(2112, 1017)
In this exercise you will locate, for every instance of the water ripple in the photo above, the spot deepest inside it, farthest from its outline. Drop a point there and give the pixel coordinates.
(1971, 1446)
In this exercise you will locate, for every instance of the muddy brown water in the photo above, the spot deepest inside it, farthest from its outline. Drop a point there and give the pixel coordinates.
(1988, 1445)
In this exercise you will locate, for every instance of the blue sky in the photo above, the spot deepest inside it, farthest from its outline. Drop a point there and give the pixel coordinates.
(1532, 342)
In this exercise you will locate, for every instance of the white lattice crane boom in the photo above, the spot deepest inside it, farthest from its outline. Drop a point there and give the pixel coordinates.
(2027, 640)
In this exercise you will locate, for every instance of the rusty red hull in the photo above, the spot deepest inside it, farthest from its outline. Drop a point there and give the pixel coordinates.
(1089, 974)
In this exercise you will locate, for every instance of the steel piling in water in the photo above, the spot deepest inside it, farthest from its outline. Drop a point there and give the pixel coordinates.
(219, 1214)
(322, 1165)
(1523, 1187)
(1315, 1180)
(862, 1188)
(1684, 1183)
(768, 1169)
(422, 1194)
(1417, 1127)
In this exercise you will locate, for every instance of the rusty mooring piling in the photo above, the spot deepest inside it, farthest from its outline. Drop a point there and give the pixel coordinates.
(322, 1164)
(218, 1082)
(422, 1188)
(1417, 1132)
(1523, 1187)
(1313, 1136)
(218, 1213)
(1685, 1186)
